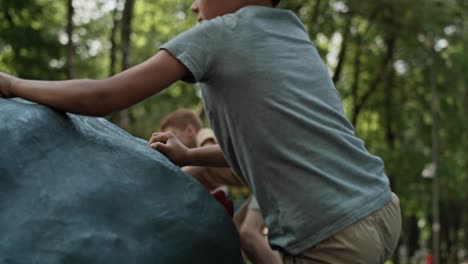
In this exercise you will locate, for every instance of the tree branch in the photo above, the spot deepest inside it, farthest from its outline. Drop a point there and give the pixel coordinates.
(342, 54)
(379, 76)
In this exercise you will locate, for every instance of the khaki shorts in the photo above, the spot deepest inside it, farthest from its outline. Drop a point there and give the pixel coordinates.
(371, 240)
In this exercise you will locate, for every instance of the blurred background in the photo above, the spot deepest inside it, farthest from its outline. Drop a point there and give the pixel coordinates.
(400, 66)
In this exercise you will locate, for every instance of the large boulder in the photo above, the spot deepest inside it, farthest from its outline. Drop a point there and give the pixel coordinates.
(77, 189)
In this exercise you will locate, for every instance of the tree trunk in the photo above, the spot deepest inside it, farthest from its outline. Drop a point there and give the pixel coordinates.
(113, 41)
(9, 18)
(126, 33)
(70, 46)
(124, 118)
(342, 54)
(465, 194)
(378, 79)
(314, 27)
(357, 73)
(465, 219)
(389, 133)
(412, 234)
(390, 138)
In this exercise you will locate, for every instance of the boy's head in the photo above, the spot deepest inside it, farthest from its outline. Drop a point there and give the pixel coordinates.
(209, 9)
(184, 124)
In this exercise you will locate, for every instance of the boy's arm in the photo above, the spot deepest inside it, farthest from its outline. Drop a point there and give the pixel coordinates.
(168, 144)
(207, 156)
(101, 97)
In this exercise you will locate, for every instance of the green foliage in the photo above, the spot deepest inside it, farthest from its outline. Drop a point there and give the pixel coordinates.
(390, 52)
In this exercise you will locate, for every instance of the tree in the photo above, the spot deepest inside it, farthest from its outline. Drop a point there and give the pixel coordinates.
(376, 51)
(70, 46)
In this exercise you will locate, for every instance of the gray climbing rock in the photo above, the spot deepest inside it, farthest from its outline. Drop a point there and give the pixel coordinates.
(77, 189)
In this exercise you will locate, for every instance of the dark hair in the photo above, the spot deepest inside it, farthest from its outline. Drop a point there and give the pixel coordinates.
(275, 2)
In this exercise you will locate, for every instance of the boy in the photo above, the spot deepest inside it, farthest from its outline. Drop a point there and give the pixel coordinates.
(187, 127)
(279, 122)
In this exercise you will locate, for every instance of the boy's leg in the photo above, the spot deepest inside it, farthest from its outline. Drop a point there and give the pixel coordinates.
(239, 216)
(371, 240)
(253, 243)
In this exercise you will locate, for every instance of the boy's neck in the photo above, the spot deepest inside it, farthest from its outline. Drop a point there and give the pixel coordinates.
(266, 3)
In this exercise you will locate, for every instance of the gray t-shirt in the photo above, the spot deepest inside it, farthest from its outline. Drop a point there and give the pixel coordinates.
(280, 123)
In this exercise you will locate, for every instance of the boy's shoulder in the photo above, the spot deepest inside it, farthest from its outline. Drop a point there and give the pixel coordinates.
(249, 14)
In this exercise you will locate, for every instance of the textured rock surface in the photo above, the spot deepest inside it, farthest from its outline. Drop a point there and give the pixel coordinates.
(76, 189)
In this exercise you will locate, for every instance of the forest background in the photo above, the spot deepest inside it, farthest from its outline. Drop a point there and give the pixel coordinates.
(400, 66)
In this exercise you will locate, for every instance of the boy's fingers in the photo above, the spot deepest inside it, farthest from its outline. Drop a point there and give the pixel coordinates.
(161, 147)
(152, 136)
(158, 137)
(153, 145)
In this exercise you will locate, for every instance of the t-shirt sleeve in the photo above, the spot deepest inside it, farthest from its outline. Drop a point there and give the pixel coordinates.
(203, 135)
(198, 48)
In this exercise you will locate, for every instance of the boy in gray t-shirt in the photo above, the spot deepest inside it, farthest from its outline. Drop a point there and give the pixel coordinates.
(279, 122)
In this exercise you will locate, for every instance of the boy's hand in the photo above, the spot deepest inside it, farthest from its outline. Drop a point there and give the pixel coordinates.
(6, 82)
(169, 145)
